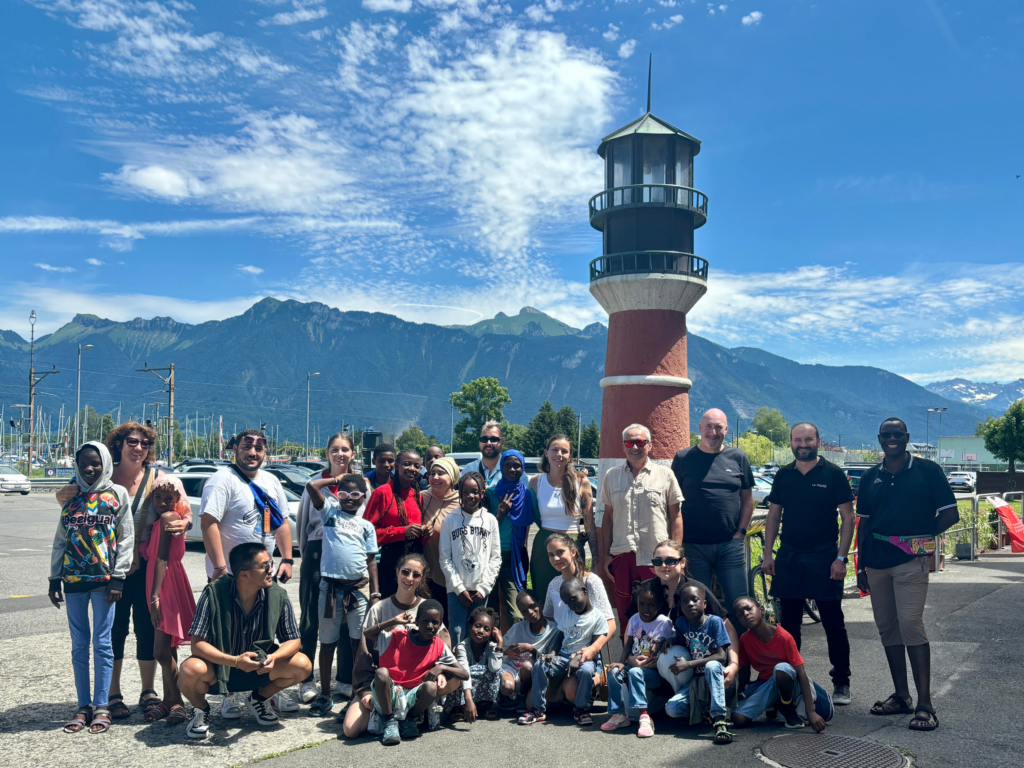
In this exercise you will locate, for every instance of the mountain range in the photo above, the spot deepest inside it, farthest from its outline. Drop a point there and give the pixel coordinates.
(379, 371)
(990, 396)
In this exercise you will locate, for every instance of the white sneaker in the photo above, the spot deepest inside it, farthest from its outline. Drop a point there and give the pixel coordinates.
(308, 691)
(341, 689)
(283, 702)
(199, 725)
(262, 711)
(230, 707)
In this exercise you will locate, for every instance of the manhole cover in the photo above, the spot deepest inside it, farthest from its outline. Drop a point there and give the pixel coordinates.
(827, 751)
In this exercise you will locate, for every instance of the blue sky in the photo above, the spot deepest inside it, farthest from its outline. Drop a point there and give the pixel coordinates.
(434, 158)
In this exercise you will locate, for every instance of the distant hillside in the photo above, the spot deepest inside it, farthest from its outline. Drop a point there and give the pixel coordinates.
(380, 371)
(992, 396)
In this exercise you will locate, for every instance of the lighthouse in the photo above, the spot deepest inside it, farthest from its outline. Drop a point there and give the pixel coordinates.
(647, 279)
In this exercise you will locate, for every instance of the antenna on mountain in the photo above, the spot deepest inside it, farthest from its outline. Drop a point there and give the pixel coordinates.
(650, 65)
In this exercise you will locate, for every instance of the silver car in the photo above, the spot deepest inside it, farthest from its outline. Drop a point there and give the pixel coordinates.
(12, 481)
(761, 490)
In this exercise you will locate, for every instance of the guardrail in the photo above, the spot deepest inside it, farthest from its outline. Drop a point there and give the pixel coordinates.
(651, 195)
(649, 262)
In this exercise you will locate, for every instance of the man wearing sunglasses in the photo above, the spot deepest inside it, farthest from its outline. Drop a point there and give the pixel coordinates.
(903, 504)
(492, 444)
(229, 516)
(641, 509)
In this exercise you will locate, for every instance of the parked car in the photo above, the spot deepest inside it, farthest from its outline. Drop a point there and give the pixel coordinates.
(12, 481)
(193, 483)
(761, 490)
(962, 481)
(292, 478)
(854, 474)
(311, 466)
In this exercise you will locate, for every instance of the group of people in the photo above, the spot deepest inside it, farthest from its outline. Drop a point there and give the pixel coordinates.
(450, 613)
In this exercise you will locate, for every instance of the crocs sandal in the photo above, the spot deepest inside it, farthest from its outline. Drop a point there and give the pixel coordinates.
(156, 711)
(894, 705)
(81, 719)
(722, 733)
(118, 709)
(177, 715)
(100, 721)
(929, 723)
(321, 706)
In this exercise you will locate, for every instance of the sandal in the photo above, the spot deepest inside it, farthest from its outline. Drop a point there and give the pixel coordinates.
(894, 705)
(147, 702)
(156, 711)
(530, 718)
(492, 713)
(321, 706)
(100, 721)
(929, 723)
(722, 733)
(118, 709)
(81, 719)
(177, 715)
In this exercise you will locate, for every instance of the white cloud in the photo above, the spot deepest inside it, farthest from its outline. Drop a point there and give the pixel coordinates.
(249, 269)
(545, 13)
(627, 48)
(95, 262)
(612, 33)
(668, 23)
(668, 3)
(395, 6)
(302, 13)
(50, 268)
(752, 19)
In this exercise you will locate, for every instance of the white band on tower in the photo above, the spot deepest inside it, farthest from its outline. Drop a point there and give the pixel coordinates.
(658, 381)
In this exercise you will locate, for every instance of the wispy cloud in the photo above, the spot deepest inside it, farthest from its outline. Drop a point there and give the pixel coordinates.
(627, 49)
(51, 268)
(752, 19)
(95, 262)
(395, 6)
(249, 269)
(303, 12)
(611, 34)
(668, 23)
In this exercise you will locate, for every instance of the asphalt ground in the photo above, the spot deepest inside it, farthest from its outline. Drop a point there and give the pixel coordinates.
(974, 620)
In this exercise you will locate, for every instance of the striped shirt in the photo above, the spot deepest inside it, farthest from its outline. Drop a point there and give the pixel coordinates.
(246, 628)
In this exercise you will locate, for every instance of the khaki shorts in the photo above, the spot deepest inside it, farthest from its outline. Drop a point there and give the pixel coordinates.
(897, 601)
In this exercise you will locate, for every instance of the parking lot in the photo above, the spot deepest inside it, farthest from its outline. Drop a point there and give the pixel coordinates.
(973, 616)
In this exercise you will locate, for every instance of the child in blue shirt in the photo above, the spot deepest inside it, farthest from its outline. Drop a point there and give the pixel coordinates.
(705, 637)
(348, 572)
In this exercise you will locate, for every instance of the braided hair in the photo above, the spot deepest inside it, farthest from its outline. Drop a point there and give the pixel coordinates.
(396, 487)
(481, 483)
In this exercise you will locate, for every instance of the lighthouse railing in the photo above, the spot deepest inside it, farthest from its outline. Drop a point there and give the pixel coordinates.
(651, 195)
(657, 262)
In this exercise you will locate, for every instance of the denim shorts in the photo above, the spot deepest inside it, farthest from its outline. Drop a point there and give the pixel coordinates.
(330, 629)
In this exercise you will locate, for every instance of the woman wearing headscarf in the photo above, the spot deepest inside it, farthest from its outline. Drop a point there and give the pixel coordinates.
(516, 508)
(437, 501)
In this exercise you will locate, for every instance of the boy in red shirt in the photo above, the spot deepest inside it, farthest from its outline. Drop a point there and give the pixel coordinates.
(782, 680)
(415, 669)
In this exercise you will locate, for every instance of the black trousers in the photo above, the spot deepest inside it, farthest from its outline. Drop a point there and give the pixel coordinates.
(134, 600)
(832, 620)
(309, 619)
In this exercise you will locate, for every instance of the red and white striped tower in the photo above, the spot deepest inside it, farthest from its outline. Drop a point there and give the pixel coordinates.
(647, 280)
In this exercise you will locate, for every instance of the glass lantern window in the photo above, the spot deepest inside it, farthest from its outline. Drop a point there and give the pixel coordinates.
(655, 167)
(622, 171)
(684, 168)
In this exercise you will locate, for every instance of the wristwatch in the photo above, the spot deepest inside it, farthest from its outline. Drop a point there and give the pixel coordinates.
(743, 531)
(288, 560)
(842, 559)
(375, 594)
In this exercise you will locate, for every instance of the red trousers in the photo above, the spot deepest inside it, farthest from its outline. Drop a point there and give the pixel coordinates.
(627, 575)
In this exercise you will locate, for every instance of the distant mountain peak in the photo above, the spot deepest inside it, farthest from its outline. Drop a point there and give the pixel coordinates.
(992, 396)
(500, 316)
(529, 311)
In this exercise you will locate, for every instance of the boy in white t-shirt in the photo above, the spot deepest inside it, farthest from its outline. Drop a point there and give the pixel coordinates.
(647, 635)
(524, 642)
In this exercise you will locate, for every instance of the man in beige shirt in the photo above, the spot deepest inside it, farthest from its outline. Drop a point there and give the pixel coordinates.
(641, 509)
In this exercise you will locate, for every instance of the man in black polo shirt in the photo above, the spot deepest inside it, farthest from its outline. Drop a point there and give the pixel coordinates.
(903, 504)
(811, 561)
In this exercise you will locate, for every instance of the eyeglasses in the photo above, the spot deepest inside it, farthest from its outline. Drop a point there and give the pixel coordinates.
(352, 495)
(135, 442)
(260, 443)
(490, 439)
(666, 562)
(635, 443)
(411, 574)
(265, 567)
(892, 435)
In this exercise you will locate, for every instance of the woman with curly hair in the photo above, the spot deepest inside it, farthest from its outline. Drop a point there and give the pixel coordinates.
(133, 448)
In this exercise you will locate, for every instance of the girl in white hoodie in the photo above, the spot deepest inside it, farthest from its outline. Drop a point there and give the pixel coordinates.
(470, 553)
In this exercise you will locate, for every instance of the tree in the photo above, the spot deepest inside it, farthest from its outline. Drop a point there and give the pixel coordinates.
(770, 423)
(757, 447)
(479, 401)
(106, 425)
(1004, 437)
(590, 441)
(416, 439)
(514, 434)
(541, 427)
(694, 439)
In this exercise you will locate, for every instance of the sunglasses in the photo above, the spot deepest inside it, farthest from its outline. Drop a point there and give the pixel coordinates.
(260, 443)
(411, 574)
(352, 495)
(635, 443)
(892, 435)
(135, 442)
(666, 562)
(265, 567)
(490, 439)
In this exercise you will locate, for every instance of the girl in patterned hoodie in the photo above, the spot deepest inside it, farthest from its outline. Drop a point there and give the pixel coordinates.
(92, 551)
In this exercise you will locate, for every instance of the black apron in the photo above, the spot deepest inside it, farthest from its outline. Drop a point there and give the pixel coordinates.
(805, 575)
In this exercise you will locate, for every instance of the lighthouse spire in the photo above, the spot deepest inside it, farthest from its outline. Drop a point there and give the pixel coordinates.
(650, 63)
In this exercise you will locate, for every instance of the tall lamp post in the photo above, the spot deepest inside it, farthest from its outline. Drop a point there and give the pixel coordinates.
(78, 400)
(308, 377)
(32, 381)
(938, 441)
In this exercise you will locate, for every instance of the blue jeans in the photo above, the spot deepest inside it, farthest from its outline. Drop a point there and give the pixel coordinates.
(545, 671)
(633, 682)
(102, 646)
(725, 561)
(714, 675)
(763, 694)
(458, 614)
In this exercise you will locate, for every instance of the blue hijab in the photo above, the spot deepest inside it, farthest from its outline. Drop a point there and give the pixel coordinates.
(520, 515)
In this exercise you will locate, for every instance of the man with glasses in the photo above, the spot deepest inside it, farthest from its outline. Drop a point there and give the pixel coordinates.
(717, 484)
(903, 504)
(641, 509)
(238, 617)
(229, 515)
(492, 444)
(808, 497)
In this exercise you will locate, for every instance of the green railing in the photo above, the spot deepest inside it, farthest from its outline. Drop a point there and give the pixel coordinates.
(651, 195)
(641, 262)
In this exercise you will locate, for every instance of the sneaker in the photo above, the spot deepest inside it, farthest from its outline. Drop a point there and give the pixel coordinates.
(582, 717)
(532, 718)
(282, 702)
(841, 695)
(263, 711)
(793, 721)
(646, 729)
(391, 736)
(199, 725)
(230, 707)
(341, 690)
(616, 721)
(407, 729)
(308, 691)
(771, 714)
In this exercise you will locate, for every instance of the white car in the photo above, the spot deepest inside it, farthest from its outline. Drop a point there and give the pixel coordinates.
(962, 481)
(12, 481)
(761, 490)
(193, 483)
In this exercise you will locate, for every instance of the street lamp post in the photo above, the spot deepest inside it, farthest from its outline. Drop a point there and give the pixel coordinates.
(32, 381)
(938, 442)
(78, 400)
(308, 377)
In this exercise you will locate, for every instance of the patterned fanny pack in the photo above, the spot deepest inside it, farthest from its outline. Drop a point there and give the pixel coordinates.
(912, 545)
